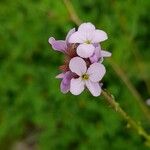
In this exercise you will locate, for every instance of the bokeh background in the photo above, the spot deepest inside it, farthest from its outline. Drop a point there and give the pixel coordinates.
(34, 114)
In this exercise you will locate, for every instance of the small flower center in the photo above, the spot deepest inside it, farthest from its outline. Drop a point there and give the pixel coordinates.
(88, 42)
(85, 76)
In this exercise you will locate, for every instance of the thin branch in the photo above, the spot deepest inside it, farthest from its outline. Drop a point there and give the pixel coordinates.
(133, 124)
(72, 13)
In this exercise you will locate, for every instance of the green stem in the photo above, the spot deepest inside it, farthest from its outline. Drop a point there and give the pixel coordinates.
(72, 12)
(137, 127)
(131, 88)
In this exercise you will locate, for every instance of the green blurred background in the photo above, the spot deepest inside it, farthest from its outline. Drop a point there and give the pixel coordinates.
(34, 114)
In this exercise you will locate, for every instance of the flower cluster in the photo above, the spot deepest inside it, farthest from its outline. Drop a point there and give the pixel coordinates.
(83, 59)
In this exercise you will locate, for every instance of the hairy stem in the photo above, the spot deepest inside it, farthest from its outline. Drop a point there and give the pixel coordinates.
(131, 88)
(134, 125)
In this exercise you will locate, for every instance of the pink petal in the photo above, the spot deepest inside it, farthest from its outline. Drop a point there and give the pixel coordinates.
(67, 77)
(86, 27)
(99, 36)
(93, 58)
(89, 36)
(65, 83)
(85, 50)
(96, 56)
(76, 86)
(105, 53)
(96, 72)
(78, 66)
(60, 76)
(64, 87)
(58, 45)
(69, 34)
(94, 88)
(77, 37)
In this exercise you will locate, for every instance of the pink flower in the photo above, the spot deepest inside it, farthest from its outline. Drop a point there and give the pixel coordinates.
(61, 45)
(99, 54)
(87, 77)
(86, 36)
(65, 83)
(78, 73)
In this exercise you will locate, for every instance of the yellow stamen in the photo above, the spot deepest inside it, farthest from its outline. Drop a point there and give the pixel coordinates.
(88, 42)
(85, 77)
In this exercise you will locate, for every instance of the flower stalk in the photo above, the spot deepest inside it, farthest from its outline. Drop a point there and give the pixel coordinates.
(133, 124)
(131, 88)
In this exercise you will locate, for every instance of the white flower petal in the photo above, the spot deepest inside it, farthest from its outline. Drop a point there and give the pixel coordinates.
(94, 88)
(69, 34)
(78, 66)
(85, 50)
(105, 53)
(96, 72)
(77, 37)
(89, 36)
(76, 86)
(99, 36)
(86, 27)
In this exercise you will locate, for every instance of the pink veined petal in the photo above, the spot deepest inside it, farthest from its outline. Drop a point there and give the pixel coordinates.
(96, 72)
(94, 88)
(64, 87)
(65, 83)
(76, 86)
(96, 55)
(58, 45)
(99, 36)
(86, 27)
(78, 66)
(77, 37)
(89, 36)
(67, 77)
(69, 34)
(98, 50)
(93, 58)
(97, 45)
(105, 53)
(85, 50)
